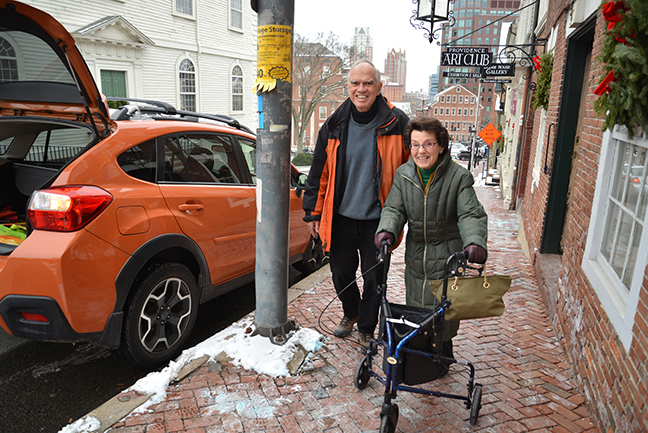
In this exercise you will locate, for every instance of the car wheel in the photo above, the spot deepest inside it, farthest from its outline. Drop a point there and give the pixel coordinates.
(160, 316)
(314, 257)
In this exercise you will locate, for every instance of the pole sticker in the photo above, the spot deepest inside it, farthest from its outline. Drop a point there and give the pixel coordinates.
(274, 57)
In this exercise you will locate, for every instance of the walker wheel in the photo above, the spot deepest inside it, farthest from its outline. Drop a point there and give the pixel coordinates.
(476, 405)
(388, 422)
(361, 375)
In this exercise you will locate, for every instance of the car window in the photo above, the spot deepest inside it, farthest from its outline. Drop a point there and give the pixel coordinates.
(249, 152)
(58, 145)
(139, 161)
(201, 158)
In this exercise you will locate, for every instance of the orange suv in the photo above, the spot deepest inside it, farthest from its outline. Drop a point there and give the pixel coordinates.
(116, 224)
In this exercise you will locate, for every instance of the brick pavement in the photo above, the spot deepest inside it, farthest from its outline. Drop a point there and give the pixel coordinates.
(527, 381)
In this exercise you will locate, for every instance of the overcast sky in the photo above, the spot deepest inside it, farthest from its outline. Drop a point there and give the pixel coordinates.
(389, 26)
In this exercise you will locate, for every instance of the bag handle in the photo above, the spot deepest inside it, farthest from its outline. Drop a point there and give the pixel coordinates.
(486, 284)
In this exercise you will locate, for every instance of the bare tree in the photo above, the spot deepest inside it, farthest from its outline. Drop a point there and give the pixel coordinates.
(319, 79)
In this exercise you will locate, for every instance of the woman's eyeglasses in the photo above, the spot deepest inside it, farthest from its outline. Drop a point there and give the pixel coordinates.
(426, 146)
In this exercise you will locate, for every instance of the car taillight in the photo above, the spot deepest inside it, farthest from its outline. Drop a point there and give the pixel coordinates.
(66, 208)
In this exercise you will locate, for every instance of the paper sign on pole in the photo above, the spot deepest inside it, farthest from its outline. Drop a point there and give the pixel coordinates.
(274, 58)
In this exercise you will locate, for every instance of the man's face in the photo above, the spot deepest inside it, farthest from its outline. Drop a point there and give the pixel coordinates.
(363, 88)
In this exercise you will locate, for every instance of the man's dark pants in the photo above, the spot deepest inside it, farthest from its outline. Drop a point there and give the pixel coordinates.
(348, 237)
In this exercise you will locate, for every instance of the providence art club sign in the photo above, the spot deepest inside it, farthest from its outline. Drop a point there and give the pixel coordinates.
(475, 57)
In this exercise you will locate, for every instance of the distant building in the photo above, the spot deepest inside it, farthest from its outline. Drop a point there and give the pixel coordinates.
(456, 107)
(396, 67)
(394, 92)
(477, 27)
(433, 85)
(361, 45)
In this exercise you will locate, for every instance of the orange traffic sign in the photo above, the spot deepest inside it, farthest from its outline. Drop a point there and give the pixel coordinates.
(489, 134)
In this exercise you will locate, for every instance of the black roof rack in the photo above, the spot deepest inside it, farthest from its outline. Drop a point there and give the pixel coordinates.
(162, 110)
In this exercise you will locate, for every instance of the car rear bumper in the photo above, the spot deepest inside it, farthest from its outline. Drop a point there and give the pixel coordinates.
(56, 326)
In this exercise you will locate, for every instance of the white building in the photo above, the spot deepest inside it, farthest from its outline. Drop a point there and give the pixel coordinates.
(361, 44)
(197, 56)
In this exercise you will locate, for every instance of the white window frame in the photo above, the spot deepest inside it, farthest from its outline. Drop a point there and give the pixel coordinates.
(619, 302)
(539, 148)
(232, 11)
(322, 112)
(192, 15)
(178, 84)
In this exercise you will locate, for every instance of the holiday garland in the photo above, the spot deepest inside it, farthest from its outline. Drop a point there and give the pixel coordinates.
(623, 92)
(544, 65)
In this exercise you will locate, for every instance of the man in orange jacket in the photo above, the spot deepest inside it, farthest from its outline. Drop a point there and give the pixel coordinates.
(357, 152)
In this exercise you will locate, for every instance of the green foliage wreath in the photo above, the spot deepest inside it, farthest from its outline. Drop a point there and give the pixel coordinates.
(543, 86)
(623, 92)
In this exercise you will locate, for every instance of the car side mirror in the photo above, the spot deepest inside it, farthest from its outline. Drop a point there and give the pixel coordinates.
(301, 185)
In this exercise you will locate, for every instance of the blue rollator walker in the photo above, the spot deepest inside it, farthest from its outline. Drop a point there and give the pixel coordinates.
(411, 338)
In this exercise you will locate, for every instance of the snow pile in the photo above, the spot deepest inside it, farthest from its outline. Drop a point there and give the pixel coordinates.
(256, 353)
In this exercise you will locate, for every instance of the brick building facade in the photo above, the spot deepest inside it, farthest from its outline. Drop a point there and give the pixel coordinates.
(457, 108)
(582, 203)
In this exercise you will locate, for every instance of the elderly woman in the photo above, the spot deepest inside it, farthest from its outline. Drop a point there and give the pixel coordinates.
(435, 197)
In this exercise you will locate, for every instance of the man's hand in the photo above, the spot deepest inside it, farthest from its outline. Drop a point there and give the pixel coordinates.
(313, 228)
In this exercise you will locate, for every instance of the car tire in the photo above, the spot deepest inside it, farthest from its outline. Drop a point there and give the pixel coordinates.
(151, 339)
(314, 257)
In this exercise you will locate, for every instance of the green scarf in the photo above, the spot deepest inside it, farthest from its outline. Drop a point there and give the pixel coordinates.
(427, 176)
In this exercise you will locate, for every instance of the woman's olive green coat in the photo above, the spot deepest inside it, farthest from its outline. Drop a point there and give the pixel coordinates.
(445, 220)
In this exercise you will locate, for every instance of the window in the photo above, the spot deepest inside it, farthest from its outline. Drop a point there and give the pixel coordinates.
(453, 111)
(184, 7)
(139, 161)
(461, 99)
(436, 111)
(8, 62)
(187, 75)
(249, 152)
(201, 159)
(236, 14)
(443, 99)
(465, 111)
(322, 113)
(113, 84)
(472, 99)
(472, 112)
(447, 111)
(59, 145)
(617, 244)
(237, 88)
(454, 98)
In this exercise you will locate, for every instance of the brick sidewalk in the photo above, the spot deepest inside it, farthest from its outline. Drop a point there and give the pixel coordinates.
(527, 382)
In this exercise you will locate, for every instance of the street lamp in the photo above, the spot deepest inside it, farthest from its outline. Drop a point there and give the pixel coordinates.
(431, 11)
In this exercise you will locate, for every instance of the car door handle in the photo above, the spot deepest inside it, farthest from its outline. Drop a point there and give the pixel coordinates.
(188, 207)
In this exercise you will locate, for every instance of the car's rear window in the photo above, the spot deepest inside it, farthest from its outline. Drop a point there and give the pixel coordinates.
(139, 161)
(27, 59)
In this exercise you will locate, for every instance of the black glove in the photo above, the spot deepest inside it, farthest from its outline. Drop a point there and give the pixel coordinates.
(475, 254)
(384, 237)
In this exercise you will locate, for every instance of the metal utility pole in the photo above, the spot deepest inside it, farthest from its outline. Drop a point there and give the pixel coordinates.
(274, 82)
